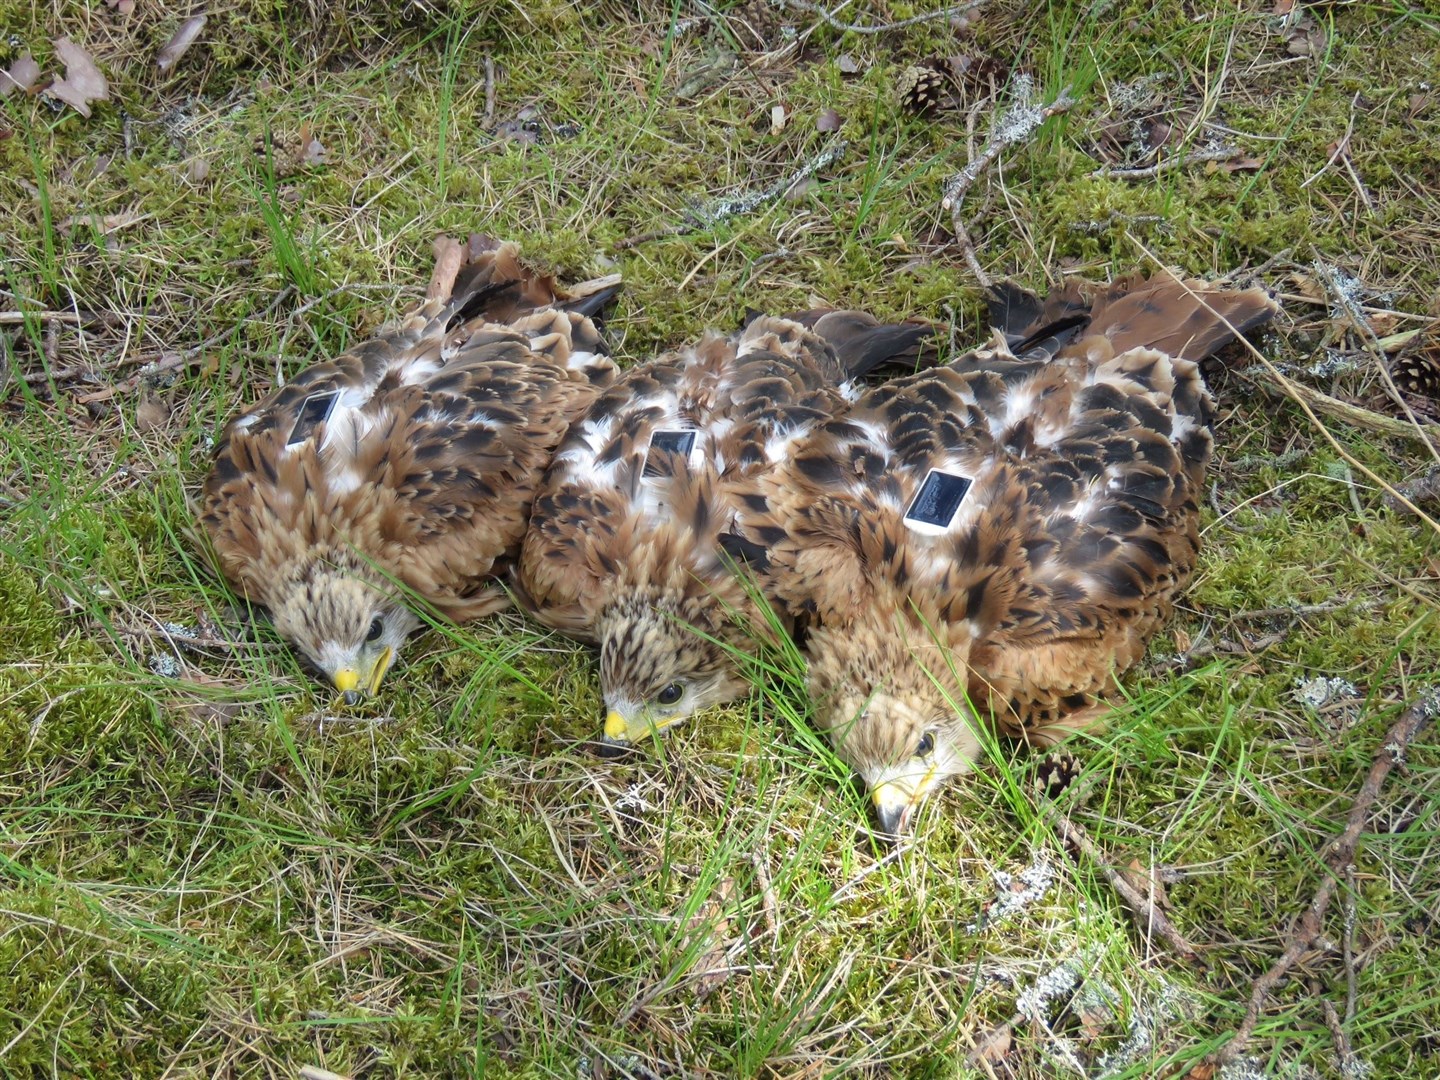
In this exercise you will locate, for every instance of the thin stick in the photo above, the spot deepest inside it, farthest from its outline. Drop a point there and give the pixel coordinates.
(879, 28)
(1148, 917)
(1017, 123)
(488, 120)
(1340, 855)
(1174, 161)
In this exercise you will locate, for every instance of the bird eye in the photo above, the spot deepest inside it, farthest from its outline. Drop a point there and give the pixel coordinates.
(925, 745)
(376, 628)
(671, 694)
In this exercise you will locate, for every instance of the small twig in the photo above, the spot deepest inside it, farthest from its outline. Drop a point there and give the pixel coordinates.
(1351, 979)
(769, 910)
(487, 120)
(830, 20)
(1295, 611)
(314, 1072)
(1344, 1053)
(1341, 147)
(654, 234)
(1174, 161)
(1340, 855)
(1148, 917)
(1354, 414)
(1017, 123)
(19, 318)
(730, 206)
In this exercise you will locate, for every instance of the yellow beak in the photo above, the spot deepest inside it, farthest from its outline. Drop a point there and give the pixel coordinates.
(347, 680)
(892, 807)
(615, 727)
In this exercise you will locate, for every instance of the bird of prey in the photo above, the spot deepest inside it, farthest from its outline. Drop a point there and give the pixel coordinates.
(993, 540)
(399, 474)
(634, 538)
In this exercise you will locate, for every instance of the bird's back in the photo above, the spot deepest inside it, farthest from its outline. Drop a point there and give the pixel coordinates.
(1039, 495)
(660, 466)
(419, 449)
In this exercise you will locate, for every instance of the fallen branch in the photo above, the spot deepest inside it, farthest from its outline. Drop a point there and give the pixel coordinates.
(1340, 855)
(1016, 124)
(722, 210)
(1355, 415)
(1174, 161)
(1149, 919)
(829, 19)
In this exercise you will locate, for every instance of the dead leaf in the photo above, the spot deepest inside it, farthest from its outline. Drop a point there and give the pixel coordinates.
(1149, 883)
(777, 119)
(829, 120)
(151, 413)
(83, 82)
(197, 170)
(312, 152)
(995, 1044)
(181, 40)
(712, 968)
(124, 7)
(1204, 1071)
(1243, 164)
(1306, 37)
(1283, 7)
(21, 76)
(1182, 640)
(847, 65)
(107, 224)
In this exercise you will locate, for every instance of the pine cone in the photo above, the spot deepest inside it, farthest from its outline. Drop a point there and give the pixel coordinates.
(1056, 773)
(923, 89)
(1415, 370)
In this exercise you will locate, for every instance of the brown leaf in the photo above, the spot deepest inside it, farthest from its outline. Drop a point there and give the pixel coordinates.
(151, 413)
(312, 152)
(1204, 1071)
(1283, 7)
(185, 35)
(829, 120)
(712, 969)
(82, 83)
(1183, 643)
(21, 76)
(995, 1044)
(1243, 164)
(197, 170)
(1305, 38)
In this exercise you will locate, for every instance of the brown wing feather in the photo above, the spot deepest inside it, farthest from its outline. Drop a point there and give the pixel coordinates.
(1085, 456)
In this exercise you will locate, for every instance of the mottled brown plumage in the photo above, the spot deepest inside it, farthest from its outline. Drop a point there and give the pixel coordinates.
(1014, 586)
(400, 474)
(625, 544)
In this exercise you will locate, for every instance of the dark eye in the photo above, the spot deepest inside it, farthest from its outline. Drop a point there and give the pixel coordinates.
(670, 695)
(376, 627)
(925, 745)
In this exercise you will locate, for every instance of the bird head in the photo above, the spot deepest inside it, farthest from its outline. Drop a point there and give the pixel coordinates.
(660, 660)
(346, 625)
(894, 707)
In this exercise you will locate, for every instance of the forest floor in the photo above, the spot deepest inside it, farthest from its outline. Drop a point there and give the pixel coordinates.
(208, 869)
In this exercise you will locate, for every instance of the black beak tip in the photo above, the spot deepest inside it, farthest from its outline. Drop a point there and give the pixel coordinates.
(353, 697)
(611, 750)
(890, 823)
